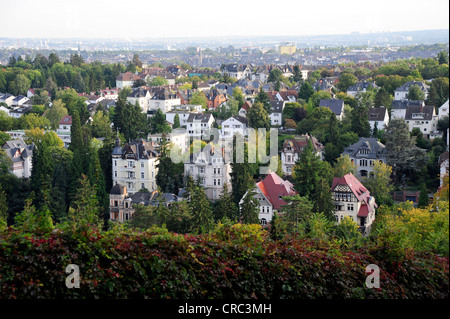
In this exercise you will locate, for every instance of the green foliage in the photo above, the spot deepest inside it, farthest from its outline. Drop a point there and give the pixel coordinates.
(258, 117)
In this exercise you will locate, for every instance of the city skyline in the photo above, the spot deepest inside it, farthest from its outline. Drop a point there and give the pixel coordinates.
(111, 19)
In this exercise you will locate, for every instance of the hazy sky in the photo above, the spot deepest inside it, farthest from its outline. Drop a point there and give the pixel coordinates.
(192, 18)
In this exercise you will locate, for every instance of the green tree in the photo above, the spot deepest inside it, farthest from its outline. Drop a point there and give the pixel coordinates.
(423, 197)
(297, 210)
(402, 154)
(129, 119)
(84, 208)
(359, 117)
(202, 218)
(199, 98)
(344, 166)
(136, 61)
(438, 92)
(415, 93)
(249, 208)
(238, 95)
(379, 183)
(176, 122)
(345, 81)
(305, 91)
(258, 117)
(442, 57)
(225, 208)
(158, 123)
(297, 76)
(157, 81)
(56, 113)
(263, 98)
(170, 175)
(20, 85)
(3, 208)
(382, 99)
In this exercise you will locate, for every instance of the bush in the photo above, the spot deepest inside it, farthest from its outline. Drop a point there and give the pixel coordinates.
(234, 261)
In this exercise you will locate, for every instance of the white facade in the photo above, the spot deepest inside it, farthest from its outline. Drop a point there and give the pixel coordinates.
(198, 124)
(233, 125)
(211, 170)
(443, 110)
(142, 101)
(265, 206)
(133, 170)
(164, 105)
(183, 116)
(20, 155)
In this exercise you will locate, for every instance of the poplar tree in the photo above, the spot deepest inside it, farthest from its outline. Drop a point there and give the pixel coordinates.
(249, 208)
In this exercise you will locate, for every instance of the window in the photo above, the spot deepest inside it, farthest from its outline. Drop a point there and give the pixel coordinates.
(142, 164)
(201, 169)
(115, 163)
(350, 207)
(142, 174)
(116, 203)
(142, 185)
(115, 173)
(263, 221)
(218, 181)
(363, 162)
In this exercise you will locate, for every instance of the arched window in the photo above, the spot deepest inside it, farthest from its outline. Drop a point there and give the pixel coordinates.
(263, 221)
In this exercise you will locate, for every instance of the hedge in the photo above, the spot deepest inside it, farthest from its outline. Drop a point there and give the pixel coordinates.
(234, 262)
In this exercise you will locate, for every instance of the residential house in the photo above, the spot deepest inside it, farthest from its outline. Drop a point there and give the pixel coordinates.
(21, 156)
(126, 80)
(364, 153)
(182, 115)
(19, 111)
(398, 107)
(234, 125)
(276, 111)
(19, 100)
(443, 167)
(325, 84)
(215, 99)
(177, 138)
(422, 117)
(64, 130)
(443, 110)
(7, 99)
(135, 165)
(121, 204)
(269, 194)
(336, 106)
(292, 148)
(185, 96)
(141, 97)
(401, 92)
(245, 108)
(352, 199)
(211, 169)
(4, 109)
(110, 94)
(378, 116)
(164, 99)
(198, 124)
(362, 86)
(236, 70)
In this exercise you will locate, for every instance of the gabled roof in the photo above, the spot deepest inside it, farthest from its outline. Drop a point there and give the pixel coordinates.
(361, 86)
(375, 147)
(203, 117)
(66, 120)
(274, 188)
(405, 87)
(118, 189)
(298, 143)
(128, 76)
(443, 157)
(336, 106)
(140, 149)
(377, 113)
(425, 112)
(403, 104)
(276, 106)
(358, 189)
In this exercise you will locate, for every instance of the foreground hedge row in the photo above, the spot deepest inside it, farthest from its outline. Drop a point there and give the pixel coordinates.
(234, 262)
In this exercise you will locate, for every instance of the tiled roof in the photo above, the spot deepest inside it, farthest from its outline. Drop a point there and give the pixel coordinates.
(274, 188)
